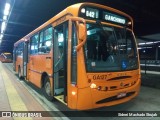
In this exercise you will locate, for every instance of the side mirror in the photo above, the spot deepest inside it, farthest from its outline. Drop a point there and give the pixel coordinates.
(81, 30)
(82, 34)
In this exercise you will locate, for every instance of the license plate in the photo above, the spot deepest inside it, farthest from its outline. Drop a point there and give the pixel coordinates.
(120, 95)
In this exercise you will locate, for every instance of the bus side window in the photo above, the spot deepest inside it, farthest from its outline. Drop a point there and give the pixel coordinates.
(45, 41)
(19, 50)
(48, 39)
(41, 49)
(130, 49)
(34, 45)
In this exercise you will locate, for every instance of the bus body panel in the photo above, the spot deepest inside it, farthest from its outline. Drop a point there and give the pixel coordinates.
(39, 64)
(113, 94)
(85, 99)
(72, 96)
(88, 97)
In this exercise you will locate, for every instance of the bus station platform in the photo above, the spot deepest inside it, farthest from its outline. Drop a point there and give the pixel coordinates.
(150, 74)
(15, 97)
(150, 78)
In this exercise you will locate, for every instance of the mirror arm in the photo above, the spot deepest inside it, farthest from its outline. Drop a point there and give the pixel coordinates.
(81, 44)
(83, 40)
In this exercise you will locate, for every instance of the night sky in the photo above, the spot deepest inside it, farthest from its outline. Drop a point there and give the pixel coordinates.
(29, 14)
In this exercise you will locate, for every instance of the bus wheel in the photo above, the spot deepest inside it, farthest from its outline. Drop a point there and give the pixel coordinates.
(47, 89)
(19, 73)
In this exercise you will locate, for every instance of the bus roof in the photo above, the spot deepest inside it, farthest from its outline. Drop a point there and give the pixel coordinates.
(74, 13)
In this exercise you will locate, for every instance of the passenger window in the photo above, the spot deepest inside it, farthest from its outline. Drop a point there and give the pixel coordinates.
(20, 50)
(34, 45)
(45, 41)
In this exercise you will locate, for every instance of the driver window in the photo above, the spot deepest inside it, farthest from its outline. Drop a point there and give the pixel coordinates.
(130, 45)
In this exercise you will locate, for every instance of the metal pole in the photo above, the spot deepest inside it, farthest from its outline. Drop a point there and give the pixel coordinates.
(145, 60)
(145, 64)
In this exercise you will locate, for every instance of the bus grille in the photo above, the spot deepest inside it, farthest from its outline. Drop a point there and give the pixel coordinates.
(113, 98)
(120, 78)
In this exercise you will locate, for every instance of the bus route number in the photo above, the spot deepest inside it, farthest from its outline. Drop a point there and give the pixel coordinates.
(99, 77)
(90, 14)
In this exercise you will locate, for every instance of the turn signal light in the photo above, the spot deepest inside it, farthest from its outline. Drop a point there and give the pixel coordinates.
(73, 93)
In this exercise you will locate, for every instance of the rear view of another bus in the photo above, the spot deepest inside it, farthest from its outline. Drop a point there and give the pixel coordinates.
(6, 57)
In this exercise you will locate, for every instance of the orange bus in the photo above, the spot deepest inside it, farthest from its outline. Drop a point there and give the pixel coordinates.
(6, 57)
(86, 57)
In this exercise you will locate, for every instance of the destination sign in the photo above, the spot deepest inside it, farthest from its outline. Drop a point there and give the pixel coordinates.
(113, 18)
(103, 15)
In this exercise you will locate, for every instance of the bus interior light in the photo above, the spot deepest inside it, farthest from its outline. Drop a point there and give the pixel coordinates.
(149, 43)
(1, 36)
(48, 43)
(7, 8)
(4, 17)
(3, 26)
(141, 43)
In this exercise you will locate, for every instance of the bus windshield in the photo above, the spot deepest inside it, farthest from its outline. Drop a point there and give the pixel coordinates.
(109, 49)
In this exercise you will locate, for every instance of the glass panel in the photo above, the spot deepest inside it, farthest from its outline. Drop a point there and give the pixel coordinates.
(20, 50)
(41, 36)
(45, 41)
(48, 34)
(109, 49)
(74, 55)
(34, 44)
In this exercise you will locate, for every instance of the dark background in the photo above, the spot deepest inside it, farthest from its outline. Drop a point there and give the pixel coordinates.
(26, 15)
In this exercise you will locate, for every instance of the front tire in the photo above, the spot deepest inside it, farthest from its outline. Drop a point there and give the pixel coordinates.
(47, 89)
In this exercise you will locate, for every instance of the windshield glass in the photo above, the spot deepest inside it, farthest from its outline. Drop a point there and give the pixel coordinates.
(109, 49)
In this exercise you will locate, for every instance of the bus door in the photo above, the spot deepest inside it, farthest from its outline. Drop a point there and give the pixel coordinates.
(76, 40)
(65, 62)
(60, 61)
(25, 58)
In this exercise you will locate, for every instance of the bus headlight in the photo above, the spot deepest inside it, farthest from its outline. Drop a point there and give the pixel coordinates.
(93, 85)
